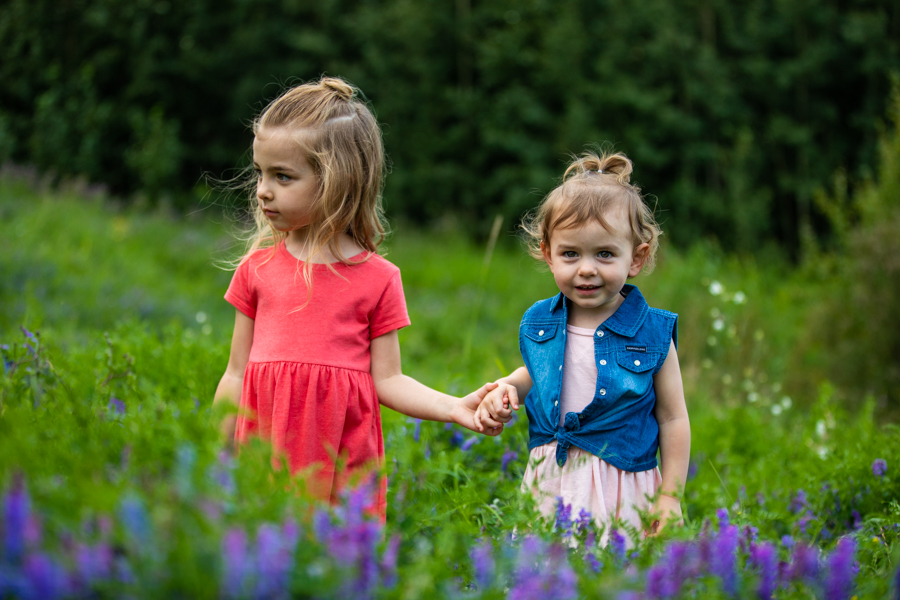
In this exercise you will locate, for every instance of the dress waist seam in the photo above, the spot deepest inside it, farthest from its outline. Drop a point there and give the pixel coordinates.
(303, 362)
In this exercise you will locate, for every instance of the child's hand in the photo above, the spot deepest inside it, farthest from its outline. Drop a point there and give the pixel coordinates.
(668, 511)
(497, 407)
(464, 413)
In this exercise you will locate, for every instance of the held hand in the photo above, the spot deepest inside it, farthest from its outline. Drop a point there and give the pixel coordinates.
(465, 412)
(667, 510)
(497, 406)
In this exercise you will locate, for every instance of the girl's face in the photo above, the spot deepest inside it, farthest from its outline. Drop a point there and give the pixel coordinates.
(286, 185)
(591, 265)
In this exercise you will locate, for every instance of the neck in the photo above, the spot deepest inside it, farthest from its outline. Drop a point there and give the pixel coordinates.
(299, 245)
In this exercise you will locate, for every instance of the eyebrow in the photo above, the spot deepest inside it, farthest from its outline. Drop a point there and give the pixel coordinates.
(276, 167)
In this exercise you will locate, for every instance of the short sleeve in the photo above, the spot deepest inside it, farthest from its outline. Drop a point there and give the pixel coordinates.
(239, 293)
(390, 312)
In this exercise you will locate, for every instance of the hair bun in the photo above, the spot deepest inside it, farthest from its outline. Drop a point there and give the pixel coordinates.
(616, 164)
(341, 88)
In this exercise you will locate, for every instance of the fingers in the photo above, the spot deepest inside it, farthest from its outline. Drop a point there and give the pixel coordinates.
(513, 396)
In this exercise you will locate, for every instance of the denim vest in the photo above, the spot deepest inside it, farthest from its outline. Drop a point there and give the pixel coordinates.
(619, 425)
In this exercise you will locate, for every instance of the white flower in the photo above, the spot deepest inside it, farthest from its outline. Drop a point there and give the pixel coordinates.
(718, 324)
(752, 397)
(786, 402)
(821, 429)
(715, 288)
(776, 409)
(739, 298)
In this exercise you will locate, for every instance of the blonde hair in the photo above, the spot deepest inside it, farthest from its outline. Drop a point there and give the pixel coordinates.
(340, 137)
(591, 187)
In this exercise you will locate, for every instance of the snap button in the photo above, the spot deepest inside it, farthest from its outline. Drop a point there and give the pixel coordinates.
(556, 403)
(599, 334)
(602, 362)
(603, 392)
(541, 332)
(560, 367)
(637, 363)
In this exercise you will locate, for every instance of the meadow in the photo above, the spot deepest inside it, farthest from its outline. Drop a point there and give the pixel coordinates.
(115, 482)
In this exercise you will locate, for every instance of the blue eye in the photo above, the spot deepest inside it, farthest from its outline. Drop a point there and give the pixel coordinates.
(570, 254)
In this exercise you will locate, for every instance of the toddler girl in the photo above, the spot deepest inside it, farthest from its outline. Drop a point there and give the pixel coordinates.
(601, 381)
(315, 345)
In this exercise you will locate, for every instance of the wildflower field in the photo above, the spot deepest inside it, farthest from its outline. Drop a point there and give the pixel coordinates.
(115, 483)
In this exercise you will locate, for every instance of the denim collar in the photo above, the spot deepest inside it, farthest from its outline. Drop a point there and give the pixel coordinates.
(627, 319)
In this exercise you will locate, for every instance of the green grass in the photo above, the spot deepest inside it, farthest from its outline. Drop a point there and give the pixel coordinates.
(128, 305)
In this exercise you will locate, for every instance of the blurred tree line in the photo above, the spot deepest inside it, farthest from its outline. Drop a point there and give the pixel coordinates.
(736, 114)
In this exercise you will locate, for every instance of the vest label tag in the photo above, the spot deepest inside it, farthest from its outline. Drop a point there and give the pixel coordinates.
(636, 348)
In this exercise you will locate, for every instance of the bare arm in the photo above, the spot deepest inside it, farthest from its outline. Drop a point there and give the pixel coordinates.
(674, 435)
(232, 382)
(406, 395)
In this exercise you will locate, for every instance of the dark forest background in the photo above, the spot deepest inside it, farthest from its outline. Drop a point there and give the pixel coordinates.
(736, 114)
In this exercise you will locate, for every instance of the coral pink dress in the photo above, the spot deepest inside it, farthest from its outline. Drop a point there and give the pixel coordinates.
(308, 386)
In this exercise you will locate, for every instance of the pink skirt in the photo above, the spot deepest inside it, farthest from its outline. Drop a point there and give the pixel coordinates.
(589, 483)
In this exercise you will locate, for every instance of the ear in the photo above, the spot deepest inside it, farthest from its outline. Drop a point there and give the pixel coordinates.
(545, 250)
(638, 258)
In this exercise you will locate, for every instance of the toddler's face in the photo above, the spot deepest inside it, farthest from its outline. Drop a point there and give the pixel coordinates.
(591, 265)
(286, 184)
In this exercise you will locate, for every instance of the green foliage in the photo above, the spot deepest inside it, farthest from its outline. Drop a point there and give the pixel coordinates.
(92, 464)
(853, 334)
(734, 113)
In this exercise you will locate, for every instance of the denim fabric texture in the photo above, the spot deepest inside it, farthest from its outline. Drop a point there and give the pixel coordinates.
(630, 347)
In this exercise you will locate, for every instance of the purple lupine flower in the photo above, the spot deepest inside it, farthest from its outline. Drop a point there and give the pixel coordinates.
(543, 573)
(804, 521)
(764, 557)
(879, 467)
(798, 503)
(584, 521)
(723, 558)
(841, 570)
(46, 580)
(417, 429)
(508, 456)
(27, 333)
(353, 541)
(665, 579)
(236, 565)
(897, 584)
(693, 467)
(563, 516)
(857, 519)
(94, 563)
(617, 546)
(467, 445)
(722, 517)
(116, 405)
(16, 513)
(388, 565)
(749, 534)
(135, 519)
(787, 541)
(456, 439)
(483, 564)
(274, 559)
(804, 563)
(590, 543)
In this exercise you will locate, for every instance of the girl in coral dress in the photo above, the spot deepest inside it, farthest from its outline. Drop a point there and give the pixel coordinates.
(315, 347)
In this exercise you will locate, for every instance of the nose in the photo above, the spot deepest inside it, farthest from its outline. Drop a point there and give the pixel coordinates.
(587, 268)
(262, 189)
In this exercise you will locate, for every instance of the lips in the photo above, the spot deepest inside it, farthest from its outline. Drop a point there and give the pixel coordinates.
(270, 213)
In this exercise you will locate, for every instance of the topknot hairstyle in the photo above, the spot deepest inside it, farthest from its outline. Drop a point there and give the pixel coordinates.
(340, 137)
(591, 187)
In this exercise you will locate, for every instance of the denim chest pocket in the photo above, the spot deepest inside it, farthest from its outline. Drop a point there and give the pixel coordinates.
(636, 371)
(539, 333)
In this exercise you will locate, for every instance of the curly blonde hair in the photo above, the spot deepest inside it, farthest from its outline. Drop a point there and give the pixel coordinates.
(338, 134)
(592, 186)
